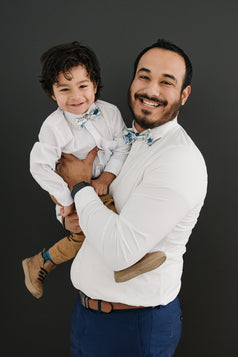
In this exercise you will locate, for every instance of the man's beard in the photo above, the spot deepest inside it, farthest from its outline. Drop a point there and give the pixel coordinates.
(169, 114)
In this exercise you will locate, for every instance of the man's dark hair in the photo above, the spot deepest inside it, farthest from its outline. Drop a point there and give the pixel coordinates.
(167, 45)
(61, 58)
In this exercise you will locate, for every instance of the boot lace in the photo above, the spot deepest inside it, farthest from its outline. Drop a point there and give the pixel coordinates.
(42, 275)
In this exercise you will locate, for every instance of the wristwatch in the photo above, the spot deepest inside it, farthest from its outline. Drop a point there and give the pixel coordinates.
(78, 187)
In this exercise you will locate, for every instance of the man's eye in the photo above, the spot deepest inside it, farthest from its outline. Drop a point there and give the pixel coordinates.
(144, 77)
(167, 83)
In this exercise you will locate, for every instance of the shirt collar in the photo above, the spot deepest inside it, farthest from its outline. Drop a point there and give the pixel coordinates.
(161, 130)
(72, 117)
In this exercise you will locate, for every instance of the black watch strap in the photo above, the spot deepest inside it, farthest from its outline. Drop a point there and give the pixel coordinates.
(78, 187)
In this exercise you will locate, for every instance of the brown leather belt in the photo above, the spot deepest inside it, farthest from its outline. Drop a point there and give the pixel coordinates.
(104, 306)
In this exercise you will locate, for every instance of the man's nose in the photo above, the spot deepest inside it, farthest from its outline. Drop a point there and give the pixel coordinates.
(153, 89)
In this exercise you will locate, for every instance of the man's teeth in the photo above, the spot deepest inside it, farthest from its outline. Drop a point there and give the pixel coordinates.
(149, 103)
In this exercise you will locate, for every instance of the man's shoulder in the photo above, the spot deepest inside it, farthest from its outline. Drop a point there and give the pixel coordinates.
(178, 153)
(182, 148)
(177, 163)
(178, 139)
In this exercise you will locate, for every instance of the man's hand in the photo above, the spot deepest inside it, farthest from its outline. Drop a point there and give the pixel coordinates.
(71, 223)
(73, 170)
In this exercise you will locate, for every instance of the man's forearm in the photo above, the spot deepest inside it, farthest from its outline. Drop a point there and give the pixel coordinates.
(125, 238)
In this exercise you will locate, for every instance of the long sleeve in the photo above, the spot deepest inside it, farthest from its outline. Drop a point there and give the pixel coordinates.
(114, 149)
(120, 152)
(164, 197)
(44, 155)
(124, 239)
(158, 195)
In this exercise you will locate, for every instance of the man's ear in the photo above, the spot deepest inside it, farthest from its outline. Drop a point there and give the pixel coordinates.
(185, 94)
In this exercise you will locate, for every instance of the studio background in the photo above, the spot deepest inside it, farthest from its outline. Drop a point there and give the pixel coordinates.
(117, 32)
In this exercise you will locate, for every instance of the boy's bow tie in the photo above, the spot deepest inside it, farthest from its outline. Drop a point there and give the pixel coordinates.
(82, 119)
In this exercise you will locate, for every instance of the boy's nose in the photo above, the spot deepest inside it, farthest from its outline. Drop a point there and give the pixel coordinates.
(75, 94)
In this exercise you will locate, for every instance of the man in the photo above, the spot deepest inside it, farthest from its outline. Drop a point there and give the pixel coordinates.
(158, 196)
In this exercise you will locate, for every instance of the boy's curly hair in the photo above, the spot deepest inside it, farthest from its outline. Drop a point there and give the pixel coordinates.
(61, 58)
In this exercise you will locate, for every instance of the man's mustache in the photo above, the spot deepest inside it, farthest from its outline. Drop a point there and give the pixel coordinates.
(154, 99)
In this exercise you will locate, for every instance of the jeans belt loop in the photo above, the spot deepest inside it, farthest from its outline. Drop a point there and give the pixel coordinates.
(99, 305)
(86, 301)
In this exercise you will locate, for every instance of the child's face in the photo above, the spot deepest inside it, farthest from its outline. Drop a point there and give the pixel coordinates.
(77, 94)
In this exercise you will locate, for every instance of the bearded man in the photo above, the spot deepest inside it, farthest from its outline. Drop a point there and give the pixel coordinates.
(158, 196)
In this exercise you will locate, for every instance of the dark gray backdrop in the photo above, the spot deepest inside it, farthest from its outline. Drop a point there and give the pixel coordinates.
(117, 32)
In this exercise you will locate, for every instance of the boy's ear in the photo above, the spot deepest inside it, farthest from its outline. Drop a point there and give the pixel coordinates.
(95, 88)
(53, 97)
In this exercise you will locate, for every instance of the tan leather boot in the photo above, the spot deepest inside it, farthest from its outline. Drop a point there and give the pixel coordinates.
(149, 262)
(35, 269)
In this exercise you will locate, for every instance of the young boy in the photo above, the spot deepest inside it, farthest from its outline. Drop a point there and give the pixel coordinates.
(71, 77)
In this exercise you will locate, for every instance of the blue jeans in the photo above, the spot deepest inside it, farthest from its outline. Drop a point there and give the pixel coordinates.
(145, 332)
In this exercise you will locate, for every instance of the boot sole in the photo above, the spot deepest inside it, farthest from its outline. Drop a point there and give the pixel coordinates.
(148, 263)
(28, 283)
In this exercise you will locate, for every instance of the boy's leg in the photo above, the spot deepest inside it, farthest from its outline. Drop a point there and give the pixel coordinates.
(35, 269)
(149, 262)
(66, 248)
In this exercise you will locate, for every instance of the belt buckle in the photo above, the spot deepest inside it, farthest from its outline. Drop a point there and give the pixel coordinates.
(84, 299)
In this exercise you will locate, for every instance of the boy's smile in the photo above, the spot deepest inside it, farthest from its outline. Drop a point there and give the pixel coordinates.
(76, 93)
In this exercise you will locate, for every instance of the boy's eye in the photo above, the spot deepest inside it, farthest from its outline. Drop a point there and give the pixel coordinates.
(64, 90)
(83, 86)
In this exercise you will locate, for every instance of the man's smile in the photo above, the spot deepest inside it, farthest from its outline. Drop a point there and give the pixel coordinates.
(150, 102)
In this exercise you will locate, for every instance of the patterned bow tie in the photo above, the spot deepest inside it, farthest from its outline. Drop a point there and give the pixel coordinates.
(130, 136)
(82, 119)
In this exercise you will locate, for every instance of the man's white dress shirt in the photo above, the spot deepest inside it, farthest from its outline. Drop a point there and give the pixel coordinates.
(62, 132)
(158, 195)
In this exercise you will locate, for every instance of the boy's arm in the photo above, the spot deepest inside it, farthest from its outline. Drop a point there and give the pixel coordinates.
(121, 149)
(102, 183)
(44, 155)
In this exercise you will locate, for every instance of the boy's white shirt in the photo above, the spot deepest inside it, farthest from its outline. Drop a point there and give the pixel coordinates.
(61, 133)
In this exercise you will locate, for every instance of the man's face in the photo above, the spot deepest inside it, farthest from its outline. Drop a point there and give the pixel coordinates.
(156, 95)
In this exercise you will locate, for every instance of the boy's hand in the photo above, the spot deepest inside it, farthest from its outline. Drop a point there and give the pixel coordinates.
(101, 184)
(100, 187)
(71, 223)
(66, 210)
